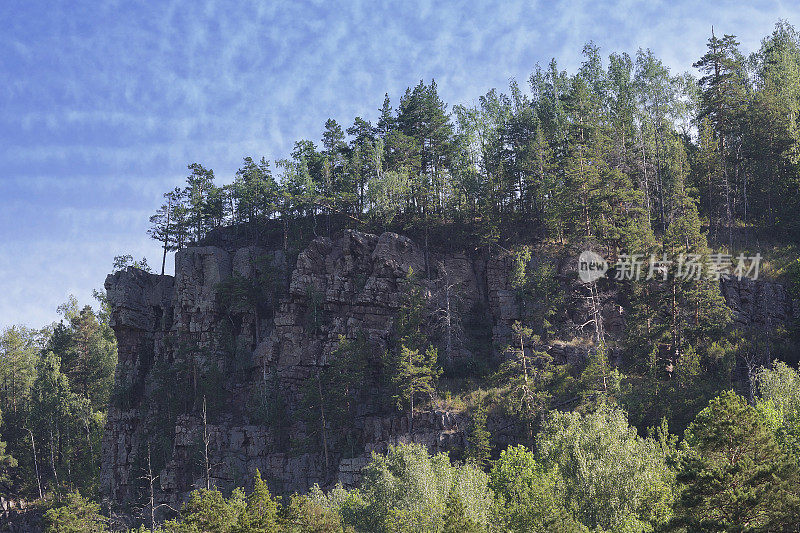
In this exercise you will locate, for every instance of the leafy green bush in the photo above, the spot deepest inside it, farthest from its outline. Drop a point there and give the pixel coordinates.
(527, 495)
(76, 515)
(612, 478)
(410, 490)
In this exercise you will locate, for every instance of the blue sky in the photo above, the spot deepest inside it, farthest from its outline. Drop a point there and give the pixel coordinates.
(103, 104)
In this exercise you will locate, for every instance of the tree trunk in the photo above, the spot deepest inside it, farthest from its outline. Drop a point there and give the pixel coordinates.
(36, 465)
(323, 425)
(205, 446)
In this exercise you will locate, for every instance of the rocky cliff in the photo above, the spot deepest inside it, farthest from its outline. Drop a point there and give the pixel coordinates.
(179, 334)
(213, 361)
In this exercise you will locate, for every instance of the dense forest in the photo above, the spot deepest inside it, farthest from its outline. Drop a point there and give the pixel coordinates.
(682, 423)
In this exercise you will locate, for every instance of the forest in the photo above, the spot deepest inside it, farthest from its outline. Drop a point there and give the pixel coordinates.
(683, 422)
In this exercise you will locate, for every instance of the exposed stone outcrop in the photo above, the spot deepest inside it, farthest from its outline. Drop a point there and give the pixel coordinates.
(345, 286)
(255, 352)
(759, 303)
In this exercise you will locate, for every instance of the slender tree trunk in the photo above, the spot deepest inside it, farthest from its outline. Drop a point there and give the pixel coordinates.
(323, 424)
(206, 441)
(411, 399)
(151, 481)
(36, 464)
(53, 456)
(166, 238)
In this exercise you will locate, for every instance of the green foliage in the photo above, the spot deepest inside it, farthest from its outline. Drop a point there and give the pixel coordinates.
(408, 490)
(18, 354)
(305, 515)
(412, 366)
(526, 376)
(456, 519)
(209, 510)
(261, 510)
(6, 463)
(88, 352)
(257, 512)
(793, 275)
(76, 515)
(612, 478)
(599, 381)
(528, 497)
(779, 403)
(734, 475)
(55, 385)
(65, 427)
(412, 314)
(121, 262)
(414, 374)
(602, 157)
(332, 395)
(479, 438)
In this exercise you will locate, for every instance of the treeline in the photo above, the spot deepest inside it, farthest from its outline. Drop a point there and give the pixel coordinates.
(591, 155)
(736, 469)
(55, 385)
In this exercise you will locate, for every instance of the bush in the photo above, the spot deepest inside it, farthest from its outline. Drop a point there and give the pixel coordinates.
(76, 515)
(527, 495)
(411, 490)
(612, 478)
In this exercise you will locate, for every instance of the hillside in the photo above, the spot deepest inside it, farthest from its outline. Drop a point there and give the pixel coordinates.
(228, 336)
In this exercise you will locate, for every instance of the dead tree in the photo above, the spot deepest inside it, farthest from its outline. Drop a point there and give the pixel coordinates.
(445, 315)
(596, 312)
(206, 441)
(151, 480)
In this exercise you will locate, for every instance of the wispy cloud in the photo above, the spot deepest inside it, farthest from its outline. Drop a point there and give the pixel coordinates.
(104, 104)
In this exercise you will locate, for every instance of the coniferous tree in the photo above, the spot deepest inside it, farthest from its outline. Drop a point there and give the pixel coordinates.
(198, 191)
(479, 438)
(362, 150)
(167, 225)
(735, 476)
(722, 93)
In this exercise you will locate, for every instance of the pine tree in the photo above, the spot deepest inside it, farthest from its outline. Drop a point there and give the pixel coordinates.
(723, 87)
(334, 188)
(456, 519)
(527, 373)
(89, 358)
(199, 185)
(696, 313)
(362, 159)
(167, 225)
(735, 477)
(253, 191)
(387, 119)
(415, 375)
(261, 511)
(479, 438)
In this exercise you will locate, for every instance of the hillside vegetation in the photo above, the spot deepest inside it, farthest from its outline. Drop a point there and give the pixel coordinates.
(681, 420)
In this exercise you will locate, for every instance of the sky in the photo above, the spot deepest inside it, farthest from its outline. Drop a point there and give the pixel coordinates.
(104, 104)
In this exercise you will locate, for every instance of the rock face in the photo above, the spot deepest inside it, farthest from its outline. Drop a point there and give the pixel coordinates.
(172, 334)
(238, 333)
(759, 304)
